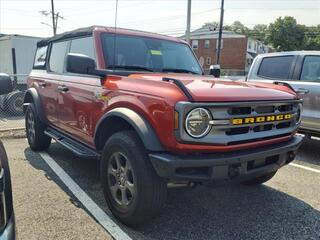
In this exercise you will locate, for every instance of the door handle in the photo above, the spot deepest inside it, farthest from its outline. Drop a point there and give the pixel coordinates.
(63, 89)
(302, 91)
(42, 84)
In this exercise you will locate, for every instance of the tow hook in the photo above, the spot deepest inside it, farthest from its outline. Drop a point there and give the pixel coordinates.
(291, 156)
(234, 170)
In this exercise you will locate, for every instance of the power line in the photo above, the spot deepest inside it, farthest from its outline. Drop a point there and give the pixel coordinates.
(273, 8)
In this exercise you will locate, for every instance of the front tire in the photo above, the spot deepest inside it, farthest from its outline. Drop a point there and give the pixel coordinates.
(133, 191)
(37, 139)
(259, 180)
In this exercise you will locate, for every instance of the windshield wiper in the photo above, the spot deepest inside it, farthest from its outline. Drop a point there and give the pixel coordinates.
(133, 67)
(178, 70)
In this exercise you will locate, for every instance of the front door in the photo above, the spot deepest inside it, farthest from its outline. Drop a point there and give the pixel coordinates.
(77, 106)
(76, 96)
(309, 81)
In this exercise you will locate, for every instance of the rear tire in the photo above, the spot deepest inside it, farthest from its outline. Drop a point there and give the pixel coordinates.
(132, 189)
(35, 130)
(259, 180)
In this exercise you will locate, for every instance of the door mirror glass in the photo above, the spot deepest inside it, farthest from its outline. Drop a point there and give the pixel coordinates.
(79, 63)
(215, 70)
(5, 84)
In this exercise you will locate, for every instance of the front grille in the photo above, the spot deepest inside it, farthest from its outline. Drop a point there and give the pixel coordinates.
(236, 131)
(258, 139)
(261, 121)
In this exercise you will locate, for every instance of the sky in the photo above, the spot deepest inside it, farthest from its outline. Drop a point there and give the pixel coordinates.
(161, 16)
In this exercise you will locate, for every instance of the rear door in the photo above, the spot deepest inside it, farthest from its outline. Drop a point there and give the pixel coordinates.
(49, 85)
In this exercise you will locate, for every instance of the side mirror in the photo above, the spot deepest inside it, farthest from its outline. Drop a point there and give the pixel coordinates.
(215, 70)
(5, 84)
(79, 63)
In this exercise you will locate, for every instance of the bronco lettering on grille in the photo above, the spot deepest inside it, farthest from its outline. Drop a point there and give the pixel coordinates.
(261, 119)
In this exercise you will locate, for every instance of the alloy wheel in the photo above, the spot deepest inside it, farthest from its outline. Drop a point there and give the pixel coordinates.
(121, 179)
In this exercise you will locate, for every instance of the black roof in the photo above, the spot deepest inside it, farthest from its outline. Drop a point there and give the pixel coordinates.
(88, 31)
(71, 34)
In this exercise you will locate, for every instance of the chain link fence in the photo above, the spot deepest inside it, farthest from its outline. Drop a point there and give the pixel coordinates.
(11, 112)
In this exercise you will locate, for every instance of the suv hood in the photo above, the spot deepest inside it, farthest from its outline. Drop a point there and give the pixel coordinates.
(205, 89)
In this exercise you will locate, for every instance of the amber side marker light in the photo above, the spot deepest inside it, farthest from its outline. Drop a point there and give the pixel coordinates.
(176, 120)
(109, 81)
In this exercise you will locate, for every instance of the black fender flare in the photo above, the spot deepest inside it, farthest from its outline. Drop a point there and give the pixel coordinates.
(143, 128)
(33, 94)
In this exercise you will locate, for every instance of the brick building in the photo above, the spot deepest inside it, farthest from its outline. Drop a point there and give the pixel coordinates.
(237, 51)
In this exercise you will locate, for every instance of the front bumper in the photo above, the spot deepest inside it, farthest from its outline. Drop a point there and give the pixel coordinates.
(238, 165)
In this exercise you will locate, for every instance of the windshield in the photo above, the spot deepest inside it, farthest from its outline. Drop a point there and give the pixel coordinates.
(136, 53)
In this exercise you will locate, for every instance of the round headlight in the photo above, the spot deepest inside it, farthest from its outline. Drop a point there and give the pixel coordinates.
(197, 122)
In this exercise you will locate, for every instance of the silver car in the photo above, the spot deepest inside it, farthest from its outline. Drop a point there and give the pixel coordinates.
(300, 69)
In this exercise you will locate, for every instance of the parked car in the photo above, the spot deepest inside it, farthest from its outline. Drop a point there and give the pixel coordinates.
(7, 222)
(301, 70)
(140, 102)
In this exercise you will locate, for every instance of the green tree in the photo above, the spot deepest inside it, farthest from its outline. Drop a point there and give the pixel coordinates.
(312, 38)
(212, 25)
(260, 32)
(238, 27)
(286, 35)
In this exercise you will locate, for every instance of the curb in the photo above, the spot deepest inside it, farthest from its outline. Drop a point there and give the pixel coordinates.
(12, 133)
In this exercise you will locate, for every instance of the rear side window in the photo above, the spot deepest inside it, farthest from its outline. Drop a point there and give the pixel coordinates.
(57, 57)
(40, 58)
(311, 69)
(276, 67)
(83, 46)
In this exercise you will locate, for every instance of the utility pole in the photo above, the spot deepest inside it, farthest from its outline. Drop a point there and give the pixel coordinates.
(54, 16)
(56, 20)
(54, 26)
(220, 31)
(188, 21)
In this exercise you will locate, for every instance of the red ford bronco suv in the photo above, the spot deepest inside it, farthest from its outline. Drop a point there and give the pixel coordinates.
(140, 103)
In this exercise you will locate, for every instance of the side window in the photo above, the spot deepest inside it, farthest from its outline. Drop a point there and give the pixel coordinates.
(57, 56)
(208, 60)
(195, 44)
(40, 58)
(276, 67)
(83, 46)
(311, 69)
(206, 43)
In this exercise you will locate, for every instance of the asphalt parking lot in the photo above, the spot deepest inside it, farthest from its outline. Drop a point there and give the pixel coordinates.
(287, 207)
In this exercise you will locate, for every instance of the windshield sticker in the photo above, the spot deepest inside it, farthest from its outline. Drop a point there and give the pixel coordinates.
(156, 52)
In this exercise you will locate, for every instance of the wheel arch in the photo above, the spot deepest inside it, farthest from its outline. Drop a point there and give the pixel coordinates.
(32, 96)
(126, 119)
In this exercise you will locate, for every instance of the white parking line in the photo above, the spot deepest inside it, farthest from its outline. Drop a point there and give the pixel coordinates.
(305, 167)
(102, 218)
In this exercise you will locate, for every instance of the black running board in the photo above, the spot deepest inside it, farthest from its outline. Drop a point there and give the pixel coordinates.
(74, 146)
